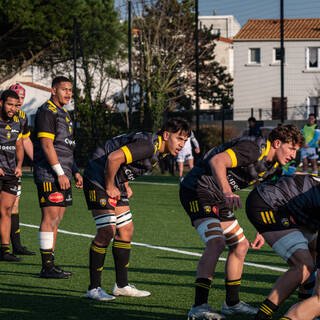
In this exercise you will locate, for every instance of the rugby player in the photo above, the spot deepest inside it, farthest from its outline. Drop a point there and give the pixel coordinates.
(206, 194)
(54, 167)
(107, 191)
(15, 234)
(11, 155)
(186, 154)
(286, 214)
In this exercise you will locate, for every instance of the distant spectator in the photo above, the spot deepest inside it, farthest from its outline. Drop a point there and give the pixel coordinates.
(254, 128)
(311, 134)
(186, 154)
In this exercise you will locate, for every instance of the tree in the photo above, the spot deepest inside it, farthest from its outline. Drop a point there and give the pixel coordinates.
(40, 32)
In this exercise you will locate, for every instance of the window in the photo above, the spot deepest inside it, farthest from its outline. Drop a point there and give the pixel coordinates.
(313, 57)
(314, 105)
(254, 55)
(277, 55)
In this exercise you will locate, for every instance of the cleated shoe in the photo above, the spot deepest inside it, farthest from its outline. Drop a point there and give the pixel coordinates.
(129, 291)
(99, 294)
(23, 251)
(239, 308)
(9, 257)
(53, 273)
(68, 273)
(204, 312)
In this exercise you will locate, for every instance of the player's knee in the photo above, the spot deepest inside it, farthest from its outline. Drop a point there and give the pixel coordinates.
(105, 235)
(125, 233)
(240, 249)
(307, 270)
(217, 244)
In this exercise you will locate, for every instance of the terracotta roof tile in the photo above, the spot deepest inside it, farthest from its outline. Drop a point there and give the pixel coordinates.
(294, 29)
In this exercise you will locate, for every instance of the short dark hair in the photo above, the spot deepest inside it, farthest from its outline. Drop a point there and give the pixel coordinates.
(58, 80)
(288, 133)
(174, 125)
(252, 119)
(8, 94)
(313, 115)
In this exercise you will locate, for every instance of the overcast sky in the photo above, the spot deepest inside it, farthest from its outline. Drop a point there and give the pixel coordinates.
(243, 10)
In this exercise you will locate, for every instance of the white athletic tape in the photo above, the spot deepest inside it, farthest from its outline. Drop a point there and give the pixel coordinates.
(45, 240)
(203, 228)
(123, 219)
(105, 220)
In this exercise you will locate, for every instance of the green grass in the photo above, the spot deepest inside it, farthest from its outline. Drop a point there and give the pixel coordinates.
(159, 220)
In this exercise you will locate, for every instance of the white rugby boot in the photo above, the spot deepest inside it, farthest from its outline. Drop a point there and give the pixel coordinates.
(99, 294)
(129, 291)
(239, 308)
(204, 312)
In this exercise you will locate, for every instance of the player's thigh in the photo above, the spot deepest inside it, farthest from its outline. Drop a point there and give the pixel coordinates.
(6, 201)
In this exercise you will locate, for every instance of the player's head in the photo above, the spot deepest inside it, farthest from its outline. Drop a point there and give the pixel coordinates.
(175, 133)
(19, 89)
(312, 119)
(9, 104)
(286, 140)
(61, 90)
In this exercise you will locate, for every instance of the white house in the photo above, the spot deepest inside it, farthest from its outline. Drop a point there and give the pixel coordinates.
(257, 69)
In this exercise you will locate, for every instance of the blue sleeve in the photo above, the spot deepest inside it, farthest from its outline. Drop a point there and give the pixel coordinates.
(314, 142)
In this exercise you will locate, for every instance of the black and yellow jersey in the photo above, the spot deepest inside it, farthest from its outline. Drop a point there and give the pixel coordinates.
(249, 164)
(141, 152)
(54, 123)
(298, 194)
(24, 123)
(10, 132)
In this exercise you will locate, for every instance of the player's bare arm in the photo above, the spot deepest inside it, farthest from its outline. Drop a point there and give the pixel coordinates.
(28, 147)
(51, 155)
(20, 155)
(219, 164)
(115, 159)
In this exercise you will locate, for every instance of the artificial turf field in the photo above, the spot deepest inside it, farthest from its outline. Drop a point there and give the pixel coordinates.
(169, 275)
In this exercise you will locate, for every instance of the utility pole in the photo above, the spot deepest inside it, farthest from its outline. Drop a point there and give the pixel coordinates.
(197, 68)
(130, 62)
(75, 44)
(282, 59)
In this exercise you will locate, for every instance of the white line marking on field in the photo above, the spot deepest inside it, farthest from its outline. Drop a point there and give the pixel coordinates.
(161, 248)
(156, 183)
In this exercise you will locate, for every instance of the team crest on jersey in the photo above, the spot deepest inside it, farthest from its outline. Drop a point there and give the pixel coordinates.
(8, 135)
(285, 222)
(103, 202)
(56, 197)
(112, 202)
(42, 200)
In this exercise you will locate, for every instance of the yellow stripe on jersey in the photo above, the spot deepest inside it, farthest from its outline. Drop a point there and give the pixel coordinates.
(127, 154)
(22, 114)
(46, 135)
(263, 217)
(26, 135)
(272, 217)
(15, 119)
(19, 136)
(160, 142)
(233, 157)
(268, 218)
(265, 151)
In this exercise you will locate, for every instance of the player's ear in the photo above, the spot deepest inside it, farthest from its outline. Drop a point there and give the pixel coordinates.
(276, 144)
(53, 90)
(165, 135)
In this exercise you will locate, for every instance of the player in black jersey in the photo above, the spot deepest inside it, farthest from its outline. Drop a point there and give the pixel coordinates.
(286, 213)
(11, 158)
(15, 234)
(54, 167)
(207, 195)
(107, 191)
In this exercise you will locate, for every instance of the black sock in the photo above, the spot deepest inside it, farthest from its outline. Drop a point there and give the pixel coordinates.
(266, 310)
(4, 248)
(121, 255)
(97, 256)
(47, 258)
(232, 291)
(203, 286)
(15, 231)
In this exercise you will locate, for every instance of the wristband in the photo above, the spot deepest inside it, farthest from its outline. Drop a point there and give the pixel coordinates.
(58, 169)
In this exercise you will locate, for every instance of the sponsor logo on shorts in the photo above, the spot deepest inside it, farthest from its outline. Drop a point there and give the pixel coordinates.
(14, 189)
(207, 209)
(292, 220)
(69, 198)
(112, 202)
(103, 202)
(215, 210)
(56, 197)
(285, 222)
(229, 214)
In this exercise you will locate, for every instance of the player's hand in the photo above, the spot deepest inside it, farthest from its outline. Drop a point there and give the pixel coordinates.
(64, 182)
(258, 242)
(129, 191)
(79, 181)
(233, 201)
(197, 150)
(1, 172)
(17, 172)
(113, 192)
